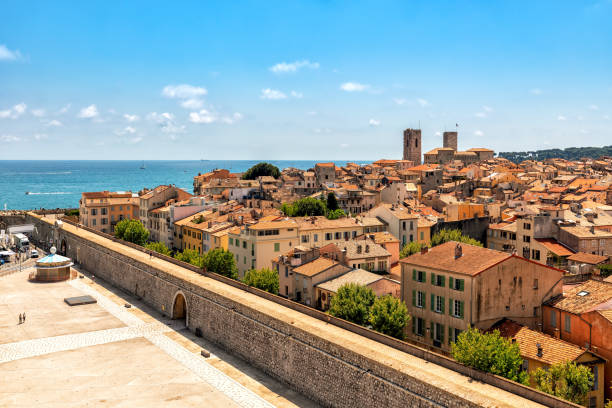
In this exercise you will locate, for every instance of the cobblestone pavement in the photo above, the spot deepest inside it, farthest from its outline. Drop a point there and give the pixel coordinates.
(136, 328)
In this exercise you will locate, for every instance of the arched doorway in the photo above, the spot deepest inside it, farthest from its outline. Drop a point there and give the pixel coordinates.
(63, 247)
(179, 307)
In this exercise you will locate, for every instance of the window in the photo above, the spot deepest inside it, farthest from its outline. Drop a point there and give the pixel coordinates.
(453, 334)
(305, 239)
(437, 303)
(437, 280)
(231, 241)
(525, 365)
(411, 226)
(419, 326)
(568, 323)
(94, 211)
(103, 211)
(418, 276)
(422, 236)
(456, 284)
(244, 260)
(526, 238)
(456, 308)
(535, 283)
(404, 225)
(286, 271)
(328, 236)
(93, 222)
(276, 246)
(535, 254)
(527, 226)
(315, 237)
(382, 265)
(104, 221)
(338, 235)
(595, 378)
(418, 298)
(244, 244)
(439, 333)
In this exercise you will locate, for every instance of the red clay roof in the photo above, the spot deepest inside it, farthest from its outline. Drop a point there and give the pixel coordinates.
(553, 246)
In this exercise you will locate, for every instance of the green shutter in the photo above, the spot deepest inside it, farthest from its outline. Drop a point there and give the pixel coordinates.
(442, 334)
(414, 274)
(450, 282)
(442, 304)
(431, 329)
(461, 283)
(432, 302)
(450, 334)
(450, 307)
(461, 309)
(413, 297)
(433, 278)
(443, 283)
(413, 325)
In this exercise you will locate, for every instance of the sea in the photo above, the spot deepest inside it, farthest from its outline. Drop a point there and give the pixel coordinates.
(34, 184)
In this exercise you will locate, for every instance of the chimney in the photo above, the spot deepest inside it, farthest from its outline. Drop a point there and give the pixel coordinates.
(458, 251)
(540, 351)
(557, 333)
(358, 249)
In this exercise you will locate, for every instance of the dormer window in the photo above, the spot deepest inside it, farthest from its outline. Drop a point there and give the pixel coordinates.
(583, 293)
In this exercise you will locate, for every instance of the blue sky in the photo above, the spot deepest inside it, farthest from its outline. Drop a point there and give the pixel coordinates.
(300, 80)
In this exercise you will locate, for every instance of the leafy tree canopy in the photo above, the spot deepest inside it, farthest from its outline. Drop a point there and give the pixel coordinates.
(489, 352)
(220, 261)
(303, 207)
(264, 279)
(261, 169)
(389, 315)
(332, 203)
(190, 256)
(565, 380)
(570, 153)
(352, 303)
(411, 248)
(335, 214)
(132, 231)
(158, 247)
(446, 235)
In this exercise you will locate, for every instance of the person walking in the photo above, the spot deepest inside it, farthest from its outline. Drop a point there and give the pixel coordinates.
(24, 317)
(20, 320)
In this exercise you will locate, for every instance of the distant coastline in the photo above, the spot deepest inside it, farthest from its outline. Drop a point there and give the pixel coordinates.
(570, 153)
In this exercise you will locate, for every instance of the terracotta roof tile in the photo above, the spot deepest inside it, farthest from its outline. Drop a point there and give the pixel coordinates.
(315, 267)
(590, 295)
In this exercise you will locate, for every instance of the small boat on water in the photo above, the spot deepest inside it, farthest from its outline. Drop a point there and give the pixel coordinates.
(27, 193)
(142, 166)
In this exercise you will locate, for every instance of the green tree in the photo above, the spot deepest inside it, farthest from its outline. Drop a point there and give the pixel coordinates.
(220, 261)
(190, 256)
(264, 279)
(389, 315)
(490, 352)
(335, 214)
(132, 231)
(565, 380)
(158, 247)
(332, 203)
(261, 169)
(411, 248)
(446, 235)
(303, 207)
(352, 303)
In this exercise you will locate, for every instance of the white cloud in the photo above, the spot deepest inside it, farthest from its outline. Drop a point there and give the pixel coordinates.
(183, 91)
(593, 107)
(399, 101)
(480, 115)
(478, 133)
(54, 122)
(8, 55)
(297, 95)
(374, 122)
(193, 103)
(166, 122)
(64, 109)
(9, 138)
(535, 91)
(272, 94)
(202, 116)
(134, 140)
(232, 119)
(128, 130)
(284, 67)
(423, 102)
(14, 112)
(41, 136)
(487, 108)
(354, 87)
(88, 112)
(438, 134)
(561, 117)
(131, 118)
(38, 112)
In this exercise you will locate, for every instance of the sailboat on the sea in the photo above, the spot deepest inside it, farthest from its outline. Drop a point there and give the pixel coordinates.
(142, 166)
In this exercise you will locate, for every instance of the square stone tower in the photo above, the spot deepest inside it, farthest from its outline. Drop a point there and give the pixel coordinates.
(450, 140)
(412, 145)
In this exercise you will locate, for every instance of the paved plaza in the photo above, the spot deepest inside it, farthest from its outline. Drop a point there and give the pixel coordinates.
(105, 354)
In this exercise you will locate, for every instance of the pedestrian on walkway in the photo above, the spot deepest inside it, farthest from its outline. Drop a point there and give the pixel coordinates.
(24, 317)
(20, 320)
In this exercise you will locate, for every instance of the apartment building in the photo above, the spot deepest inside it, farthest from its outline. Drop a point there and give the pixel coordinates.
(162, 219)
(256, 245)
(325, 173)
(202, 179)
(455, 286)
(401, 222)
(380, 285)
(319, 231)
(582, 315)
(189, 231)
(362, 253)
(591, 240)
(156, 198)
(102, 210)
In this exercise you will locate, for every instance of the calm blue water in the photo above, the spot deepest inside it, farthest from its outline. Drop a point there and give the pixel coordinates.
(59, 184)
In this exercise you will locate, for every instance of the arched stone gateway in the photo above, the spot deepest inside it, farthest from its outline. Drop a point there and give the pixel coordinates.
(179, 307)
